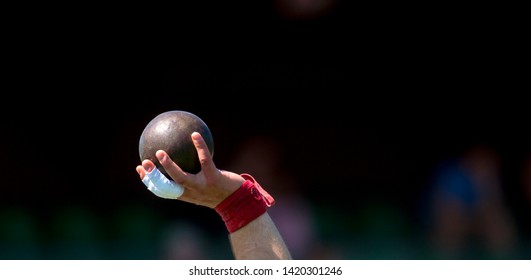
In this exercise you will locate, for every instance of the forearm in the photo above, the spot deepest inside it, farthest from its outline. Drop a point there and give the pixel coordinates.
(259, 239)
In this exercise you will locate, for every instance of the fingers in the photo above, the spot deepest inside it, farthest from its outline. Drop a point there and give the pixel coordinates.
(140, 170)
(205, 158)
(176, 173)
(146, 167)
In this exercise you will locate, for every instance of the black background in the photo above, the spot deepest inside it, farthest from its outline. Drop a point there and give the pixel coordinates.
(365, 99)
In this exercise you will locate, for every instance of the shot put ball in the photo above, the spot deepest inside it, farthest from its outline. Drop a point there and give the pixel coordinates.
(171, 131)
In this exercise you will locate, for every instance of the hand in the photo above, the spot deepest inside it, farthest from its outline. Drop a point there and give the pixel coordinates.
(207, 188)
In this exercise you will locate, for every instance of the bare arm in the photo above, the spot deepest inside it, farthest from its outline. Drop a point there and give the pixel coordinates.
(259, 239)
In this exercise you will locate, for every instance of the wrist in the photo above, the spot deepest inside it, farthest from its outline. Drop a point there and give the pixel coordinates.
(244, 205)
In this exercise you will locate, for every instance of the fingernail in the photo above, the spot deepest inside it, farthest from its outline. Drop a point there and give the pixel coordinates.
(149, 168)
(195, 135)
(160, 155)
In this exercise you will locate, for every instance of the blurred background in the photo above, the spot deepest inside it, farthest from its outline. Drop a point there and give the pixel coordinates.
(381, 132)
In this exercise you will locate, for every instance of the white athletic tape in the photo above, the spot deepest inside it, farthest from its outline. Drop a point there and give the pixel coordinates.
(161, 186)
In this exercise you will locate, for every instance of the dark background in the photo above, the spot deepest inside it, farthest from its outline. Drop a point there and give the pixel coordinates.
(365, 101)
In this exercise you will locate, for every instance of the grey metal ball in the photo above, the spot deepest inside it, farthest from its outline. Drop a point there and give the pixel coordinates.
(171, 131)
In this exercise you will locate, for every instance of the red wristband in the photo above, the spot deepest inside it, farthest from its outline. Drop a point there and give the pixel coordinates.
(244, 205)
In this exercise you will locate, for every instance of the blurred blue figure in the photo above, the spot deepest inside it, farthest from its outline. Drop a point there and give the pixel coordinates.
(467, 213)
